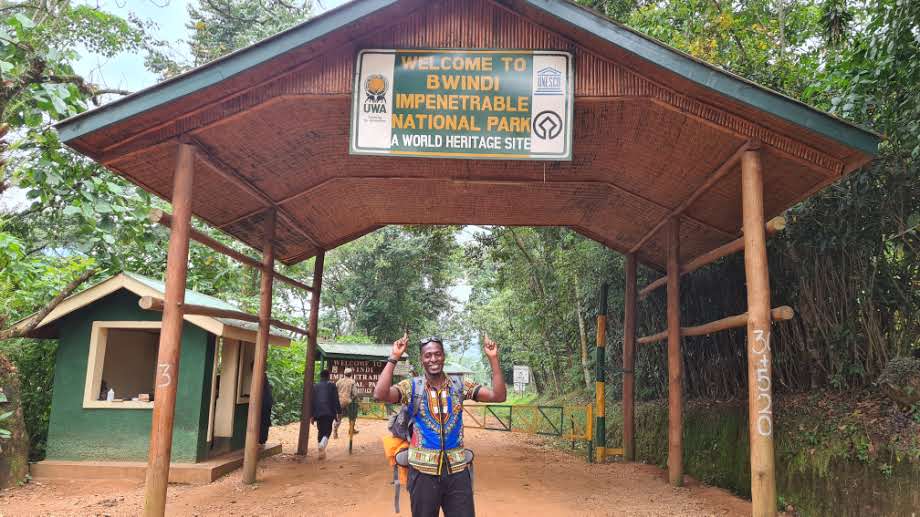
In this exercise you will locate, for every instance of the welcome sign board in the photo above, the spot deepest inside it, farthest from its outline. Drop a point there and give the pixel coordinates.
(478, 104)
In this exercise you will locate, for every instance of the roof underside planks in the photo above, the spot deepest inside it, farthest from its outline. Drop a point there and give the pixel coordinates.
(651, 125)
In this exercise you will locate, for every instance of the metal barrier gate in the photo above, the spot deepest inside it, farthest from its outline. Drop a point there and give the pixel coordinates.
(572, 423)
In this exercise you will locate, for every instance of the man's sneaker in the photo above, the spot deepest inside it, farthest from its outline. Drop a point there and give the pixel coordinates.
(322, 453)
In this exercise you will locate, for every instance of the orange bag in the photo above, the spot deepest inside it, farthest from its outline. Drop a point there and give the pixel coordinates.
(392, 445)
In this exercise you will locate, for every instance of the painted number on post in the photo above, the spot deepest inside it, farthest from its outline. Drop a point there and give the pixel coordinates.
(761, 347)
(164, 378)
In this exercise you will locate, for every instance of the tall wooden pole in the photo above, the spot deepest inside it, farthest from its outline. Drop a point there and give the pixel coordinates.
(306, 406)
(256, 386)
(760, 389)
(167, 372)
(675, 394)
(629, 359)
(600, 424)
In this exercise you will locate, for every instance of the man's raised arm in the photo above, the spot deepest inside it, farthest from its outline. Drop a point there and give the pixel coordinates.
(498, 392)
(384, 391)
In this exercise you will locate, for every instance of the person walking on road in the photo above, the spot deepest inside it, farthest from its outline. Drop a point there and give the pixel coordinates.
(440, 477)
(326, 409)
(348, 401)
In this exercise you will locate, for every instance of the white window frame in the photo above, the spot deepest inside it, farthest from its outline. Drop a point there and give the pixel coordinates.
(97, 344)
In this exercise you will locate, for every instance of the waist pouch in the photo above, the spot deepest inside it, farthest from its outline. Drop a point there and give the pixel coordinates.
(426, 460)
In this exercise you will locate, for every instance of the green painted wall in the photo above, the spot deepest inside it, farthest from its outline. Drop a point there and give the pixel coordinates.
(76, 433)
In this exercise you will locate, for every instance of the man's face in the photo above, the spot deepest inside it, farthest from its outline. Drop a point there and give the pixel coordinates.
(433, 358)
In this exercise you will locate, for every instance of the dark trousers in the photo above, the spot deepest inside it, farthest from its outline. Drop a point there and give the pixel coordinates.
(323, 427)
(451, 492)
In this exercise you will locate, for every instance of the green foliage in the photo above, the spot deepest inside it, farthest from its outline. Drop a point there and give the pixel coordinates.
(79, 215)
(285, 368)
(34, 362)
(390, 281)
(5, 434)
(529, 289)
(218, 27)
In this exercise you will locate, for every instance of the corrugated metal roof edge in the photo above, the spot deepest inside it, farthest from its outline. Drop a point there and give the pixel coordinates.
(643, 46)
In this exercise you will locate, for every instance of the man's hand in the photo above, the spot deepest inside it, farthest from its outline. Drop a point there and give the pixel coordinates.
(399, 346)
(490, 347)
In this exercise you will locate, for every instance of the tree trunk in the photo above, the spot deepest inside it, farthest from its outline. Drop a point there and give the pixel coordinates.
(582, 335)
(14, 453)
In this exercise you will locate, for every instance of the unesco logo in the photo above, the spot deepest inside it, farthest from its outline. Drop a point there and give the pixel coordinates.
(549, 82)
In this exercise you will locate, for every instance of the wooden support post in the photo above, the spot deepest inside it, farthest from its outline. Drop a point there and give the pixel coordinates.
(760, 389)
(167, 371)
(629, 359)
(257, 386)
(600, 424)
(675, 376)
(306, 407)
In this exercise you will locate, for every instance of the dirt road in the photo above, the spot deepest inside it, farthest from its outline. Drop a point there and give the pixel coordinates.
(516, 475)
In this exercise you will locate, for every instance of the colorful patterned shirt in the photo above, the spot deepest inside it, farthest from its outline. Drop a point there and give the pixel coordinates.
(437, 433)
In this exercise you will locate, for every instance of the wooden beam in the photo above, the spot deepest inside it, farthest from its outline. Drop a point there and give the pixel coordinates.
(724, 169)
(152, 303)
(759, 355)
(231, 175)
(158, 216)
(675, 361)
(773, 226)
(629, 359)
(781, 313)
(166, 379)
(258, 379)
(306, 407)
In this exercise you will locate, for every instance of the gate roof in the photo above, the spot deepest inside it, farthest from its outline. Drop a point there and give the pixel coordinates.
(651, 125)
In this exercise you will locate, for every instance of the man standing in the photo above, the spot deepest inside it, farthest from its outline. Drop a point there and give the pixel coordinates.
(348, 400)
(438, 475)
(267, 403)
(325, 409)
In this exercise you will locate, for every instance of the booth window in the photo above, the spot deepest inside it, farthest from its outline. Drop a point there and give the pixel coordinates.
(122, 358)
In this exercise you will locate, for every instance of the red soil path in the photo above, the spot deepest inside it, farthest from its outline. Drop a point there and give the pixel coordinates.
(516, 475)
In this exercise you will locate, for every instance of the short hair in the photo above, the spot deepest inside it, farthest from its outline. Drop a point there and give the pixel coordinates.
(324, 375)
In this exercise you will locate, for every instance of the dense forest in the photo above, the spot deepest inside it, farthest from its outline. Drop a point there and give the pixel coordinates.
(847, 261)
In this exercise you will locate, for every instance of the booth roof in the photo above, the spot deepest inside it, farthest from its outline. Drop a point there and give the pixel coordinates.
(651, 127)
(145, 286)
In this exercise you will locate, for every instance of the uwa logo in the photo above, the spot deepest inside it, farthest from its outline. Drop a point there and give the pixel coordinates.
(375, 88)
